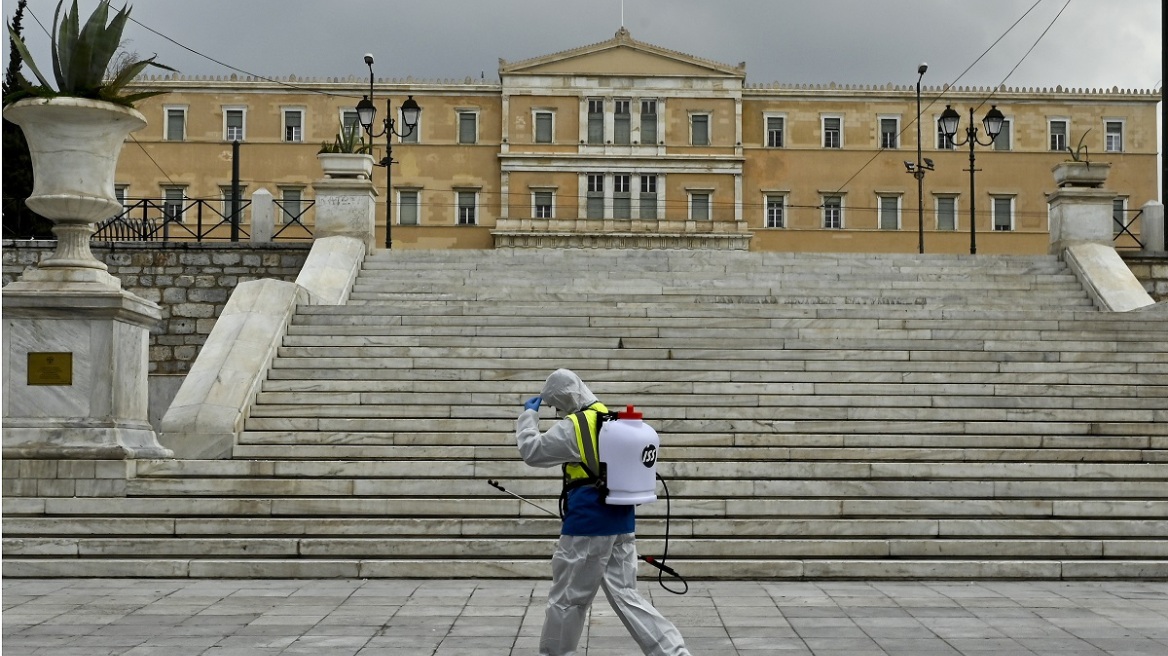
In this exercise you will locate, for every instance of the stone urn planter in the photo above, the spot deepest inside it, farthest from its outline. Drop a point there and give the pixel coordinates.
(1080, 174)
(74, 144)
(346, 165)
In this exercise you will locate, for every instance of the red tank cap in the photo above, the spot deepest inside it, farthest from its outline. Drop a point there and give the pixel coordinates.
(629, 413)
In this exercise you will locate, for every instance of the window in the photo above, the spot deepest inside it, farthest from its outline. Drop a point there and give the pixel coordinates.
(946, 212)
(594, 208)
(774, 131)
(1003, 213)
(889, 132)
(543, 127)
(409, 207)
(467, 205)
(889, 212)
(832, 129)
(176, 124)
(120, 192)
(225, 193)
(699, 129)
(1058, 135)
(293, 125)
(543, 203)
(944, 142)
(1113, 136)
(468, 127)
(595, 120)
(649, 122)
(699, 206)
(1119, 215)
(1003, 141)
(648, 197)
(833, 212)
(233, 121)
(413, 135)
(173, 201)
(291, 204)
(622, 198)
(622, 122)
(350, 120)
(776, 211)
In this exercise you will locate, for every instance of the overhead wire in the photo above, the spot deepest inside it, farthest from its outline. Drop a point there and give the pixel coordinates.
(952, 84)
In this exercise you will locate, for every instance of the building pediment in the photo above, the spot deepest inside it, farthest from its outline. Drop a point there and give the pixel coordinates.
(621, 56)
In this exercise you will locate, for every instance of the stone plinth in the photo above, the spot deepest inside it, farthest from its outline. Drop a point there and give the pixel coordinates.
(1080, 215)
(345, 208)
(90, 401)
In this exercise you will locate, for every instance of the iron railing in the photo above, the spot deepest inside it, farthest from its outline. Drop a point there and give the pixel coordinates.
(291, 219)
(1123, 227)
(194, 219)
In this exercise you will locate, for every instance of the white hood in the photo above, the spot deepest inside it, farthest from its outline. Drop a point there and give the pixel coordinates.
(565, 392)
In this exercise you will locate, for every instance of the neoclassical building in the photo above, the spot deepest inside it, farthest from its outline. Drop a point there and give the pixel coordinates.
(624, 141)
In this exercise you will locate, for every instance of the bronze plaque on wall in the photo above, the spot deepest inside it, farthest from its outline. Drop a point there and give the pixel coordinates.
(50, 368)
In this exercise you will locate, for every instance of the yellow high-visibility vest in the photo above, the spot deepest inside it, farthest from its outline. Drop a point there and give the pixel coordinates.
(587, 424)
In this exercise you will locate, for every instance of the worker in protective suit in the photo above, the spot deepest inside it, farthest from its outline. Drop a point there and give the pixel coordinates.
(597, 547)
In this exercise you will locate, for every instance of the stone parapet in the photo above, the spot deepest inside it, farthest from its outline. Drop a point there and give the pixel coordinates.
(191, 282)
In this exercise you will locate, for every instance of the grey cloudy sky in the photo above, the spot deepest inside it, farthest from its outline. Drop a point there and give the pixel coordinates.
(1094, 43)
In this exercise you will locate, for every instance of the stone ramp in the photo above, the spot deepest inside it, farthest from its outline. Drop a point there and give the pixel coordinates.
(822, 416)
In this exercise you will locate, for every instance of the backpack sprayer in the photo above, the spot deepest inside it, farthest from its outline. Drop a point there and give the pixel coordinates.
(628, 474)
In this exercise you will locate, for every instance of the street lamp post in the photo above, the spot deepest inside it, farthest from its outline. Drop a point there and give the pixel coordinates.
(918, 169)
(993, 120)
(366, 113)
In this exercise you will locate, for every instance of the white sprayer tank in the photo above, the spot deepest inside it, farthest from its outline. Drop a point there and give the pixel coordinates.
(628, 447)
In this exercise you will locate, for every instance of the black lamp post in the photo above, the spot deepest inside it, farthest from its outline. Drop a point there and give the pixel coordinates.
(366, 113)
(993, 120)
(918, 169)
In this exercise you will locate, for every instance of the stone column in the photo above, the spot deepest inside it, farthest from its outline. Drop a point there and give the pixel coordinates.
(1152, 228)
(263, 217)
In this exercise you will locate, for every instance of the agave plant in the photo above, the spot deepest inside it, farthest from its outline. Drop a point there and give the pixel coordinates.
(82, 57)
(350, 139)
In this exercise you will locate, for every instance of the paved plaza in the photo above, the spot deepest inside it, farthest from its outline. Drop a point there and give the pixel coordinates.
(380, 617)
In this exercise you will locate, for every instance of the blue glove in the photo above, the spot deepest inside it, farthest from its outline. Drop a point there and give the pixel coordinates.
(533, 403)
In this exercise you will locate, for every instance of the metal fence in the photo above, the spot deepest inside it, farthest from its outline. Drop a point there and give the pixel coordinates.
(195, 219)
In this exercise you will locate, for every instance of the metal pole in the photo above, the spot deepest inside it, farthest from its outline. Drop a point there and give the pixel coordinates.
(235, 190)
(971, 135)
(919, 174)
(388, 176)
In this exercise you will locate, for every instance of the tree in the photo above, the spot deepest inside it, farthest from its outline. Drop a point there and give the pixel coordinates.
(19, 222)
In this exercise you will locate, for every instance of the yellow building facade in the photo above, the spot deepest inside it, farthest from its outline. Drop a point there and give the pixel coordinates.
(623, 142)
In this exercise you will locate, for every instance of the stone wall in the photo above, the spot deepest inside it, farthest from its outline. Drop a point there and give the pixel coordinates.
(190, 281)
(1152, 271)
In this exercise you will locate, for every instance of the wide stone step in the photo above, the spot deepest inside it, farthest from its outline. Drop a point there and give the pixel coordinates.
(747, 467)
(680, 487)
(682, 508)
(311, 447)
(536, 568)
(17, 526)
(496, 547)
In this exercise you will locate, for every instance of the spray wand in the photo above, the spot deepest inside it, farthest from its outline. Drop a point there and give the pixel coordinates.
(664, 569)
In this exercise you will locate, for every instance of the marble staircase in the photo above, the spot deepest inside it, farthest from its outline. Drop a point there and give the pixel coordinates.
(821, 416)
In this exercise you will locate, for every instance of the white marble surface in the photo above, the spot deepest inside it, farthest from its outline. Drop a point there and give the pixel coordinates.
(1106, 277)
(331, 268)
(345, 208)
(209, 408)
(104, 408)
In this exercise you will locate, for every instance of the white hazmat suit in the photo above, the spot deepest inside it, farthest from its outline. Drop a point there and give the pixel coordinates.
(582, 564)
